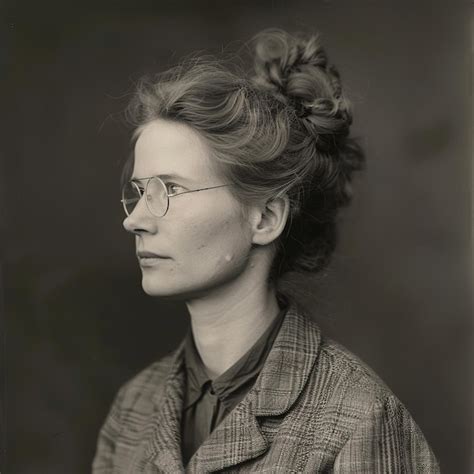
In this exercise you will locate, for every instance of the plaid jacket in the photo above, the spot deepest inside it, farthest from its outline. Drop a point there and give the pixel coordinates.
(315, 407)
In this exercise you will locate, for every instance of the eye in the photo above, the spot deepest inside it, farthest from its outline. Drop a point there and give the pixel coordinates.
(174, 188)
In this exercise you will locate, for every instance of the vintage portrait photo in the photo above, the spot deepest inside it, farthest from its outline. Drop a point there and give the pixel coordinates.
(237, 237)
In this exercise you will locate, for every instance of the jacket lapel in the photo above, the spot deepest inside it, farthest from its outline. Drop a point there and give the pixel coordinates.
(238, 437)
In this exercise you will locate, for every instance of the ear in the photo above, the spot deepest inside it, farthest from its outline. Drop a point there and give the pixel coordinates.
(269, 220)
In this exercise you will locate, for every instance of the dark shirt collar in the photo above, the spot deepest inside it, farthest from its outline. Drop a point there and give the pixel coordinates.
(231, 385)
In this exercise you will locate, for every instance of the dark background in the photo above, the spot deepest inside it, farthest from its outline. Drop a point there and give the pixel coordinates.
(79, 325)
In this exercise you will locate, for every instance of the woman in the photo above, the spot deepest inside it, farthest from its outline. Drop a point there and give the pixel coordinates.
(236, 180)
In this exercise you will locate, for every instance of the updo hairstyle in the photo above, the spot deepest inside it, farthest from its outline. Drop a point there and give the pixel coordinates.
(281, 129)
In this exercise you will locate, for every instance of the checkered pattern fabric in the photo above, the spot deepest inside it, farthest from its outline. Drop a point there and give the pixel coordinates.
(314, 407)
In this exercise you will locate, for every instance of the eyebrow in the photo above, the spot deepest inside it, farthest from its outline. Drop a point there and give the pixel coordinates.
(165, 176)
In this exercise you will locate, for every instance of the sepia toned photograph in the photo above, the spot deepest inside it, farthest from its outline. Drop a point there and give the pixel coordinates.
(236, 237)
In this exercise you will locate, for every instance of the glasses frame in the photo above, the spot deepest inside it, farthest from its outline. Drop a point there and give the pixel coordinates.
(168, 196)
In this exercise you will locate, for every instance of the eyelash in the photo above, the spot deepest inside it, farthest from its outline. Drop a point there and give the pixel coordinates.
(172, 184)
(169, 183)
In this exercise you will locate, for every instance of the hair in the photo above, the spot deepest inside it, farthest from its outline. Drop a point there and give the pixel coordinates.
(280, 129)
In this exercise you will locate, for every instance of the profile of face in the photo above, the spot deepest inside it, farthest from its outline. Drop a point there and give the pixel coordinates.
(205, 237)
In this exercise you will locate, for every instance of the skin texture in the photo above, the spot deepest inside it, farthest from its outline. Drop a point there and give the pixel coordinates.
(219, 253)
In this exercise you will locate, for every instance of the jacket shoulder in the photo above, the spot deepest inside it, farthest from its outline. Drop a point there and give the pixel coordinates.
(144, 387)
(369, 418)
(342, 389)
(346, 369)
(129, 414)
(345, 403)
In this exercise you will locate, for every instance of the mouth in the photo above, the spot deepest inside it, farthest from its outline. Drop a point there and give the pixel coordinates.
(149, 259)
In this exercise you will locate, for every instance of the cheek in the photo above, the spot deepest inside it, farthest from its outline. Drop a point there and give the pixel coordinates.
(212, 245)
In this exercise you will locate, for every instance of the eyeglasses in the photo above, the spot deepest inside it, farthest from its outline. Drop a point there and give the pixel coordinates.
(156, 194)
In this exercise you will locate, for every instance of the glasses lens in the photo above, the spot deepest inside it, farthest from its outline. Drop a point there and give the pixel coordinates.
(130, 197)
(157, 197)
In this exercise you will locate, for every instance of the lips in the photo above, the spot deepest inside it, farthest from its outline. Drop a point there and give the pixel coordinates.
(146, 254)
(149, 259)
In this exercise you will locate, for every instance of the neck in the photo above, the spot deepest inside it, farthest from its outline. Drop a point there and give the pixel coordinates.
(229, 320)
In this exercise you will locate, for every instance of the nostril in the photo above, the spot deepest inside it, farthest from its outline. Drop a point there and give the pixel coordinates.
(137, 227)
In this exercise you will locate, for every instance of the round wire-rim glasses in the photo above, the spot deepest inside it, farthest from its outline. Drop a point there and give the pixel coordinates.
(156, 198)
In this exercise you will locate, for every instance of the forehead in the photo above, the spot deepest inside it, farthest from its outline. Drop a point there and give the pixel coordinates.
(165, 147)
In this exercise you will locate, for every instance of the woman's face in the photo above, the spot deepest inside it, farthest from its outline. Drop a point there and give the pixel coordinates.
(204, 236)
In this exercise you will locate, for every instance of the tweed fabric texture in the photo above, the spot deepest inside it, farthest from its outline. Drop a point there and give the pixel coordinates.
(315, 407)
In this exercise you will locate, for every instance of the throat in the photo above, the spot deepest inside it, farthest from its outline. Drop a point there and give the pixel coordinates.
(222, 339)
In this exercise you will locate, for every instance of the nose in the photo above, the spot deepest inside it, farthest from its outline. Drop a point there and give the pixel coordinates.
(140, 220)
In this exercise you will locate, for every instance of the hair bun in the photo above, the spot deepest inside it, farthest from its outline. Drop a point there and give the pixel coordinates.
(295, 69)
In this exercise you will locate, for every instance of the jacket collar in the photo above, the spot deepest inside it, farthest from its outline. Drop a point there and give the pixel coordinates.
(238, 437)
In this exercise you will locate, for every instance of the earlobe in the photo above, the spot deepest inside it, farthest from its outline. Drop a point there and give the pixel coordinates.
(271, 220)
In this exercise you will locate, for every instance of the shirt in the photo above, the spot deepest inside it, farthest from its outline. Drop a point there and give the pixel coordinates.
(207, 401)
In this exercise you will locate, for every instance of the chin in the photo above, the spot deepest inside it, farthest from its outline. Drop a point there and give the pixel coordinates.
(154, 288)
(179, 290)
(169, 289)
